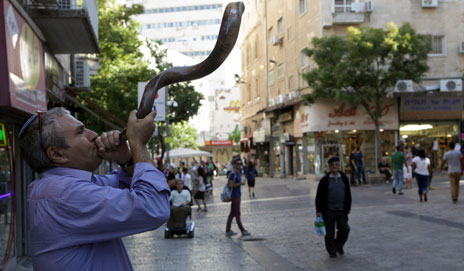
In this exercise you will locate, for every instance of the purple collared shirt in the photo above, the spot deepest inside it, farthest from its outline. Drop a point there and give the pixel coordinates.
(77, 219)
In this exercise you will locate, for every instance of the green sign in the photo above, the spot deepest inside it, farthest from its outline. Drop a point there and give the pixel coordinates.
(2, 135)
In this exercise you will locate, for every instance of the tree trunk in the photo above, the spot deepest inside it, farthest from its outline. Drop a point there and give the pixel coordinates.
(378, 145)
(163, 145)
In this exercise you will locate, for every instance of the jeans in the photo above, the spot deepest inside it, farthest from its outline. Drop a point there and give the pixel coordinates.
(353, 175)
(234, 212)
(398, 179)
(422, 183)
(361, 172)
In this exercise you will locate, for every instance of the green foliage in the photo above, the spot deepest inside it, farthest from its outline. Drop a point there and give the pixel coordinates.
(361, 67)
(122, 65)
(235, 135)
(182, 135)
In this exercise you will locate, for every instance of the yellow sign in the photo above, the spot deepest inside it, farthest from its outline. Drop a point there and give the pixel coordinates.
(233, 106)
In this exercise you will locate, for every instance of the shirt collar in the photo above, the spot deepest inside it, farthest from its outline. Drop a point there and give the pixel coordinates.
(60, 171)
(332, 176)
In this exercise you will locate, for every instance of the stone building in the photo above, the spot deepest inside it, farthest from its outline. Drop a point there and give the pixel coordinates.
(286, 137)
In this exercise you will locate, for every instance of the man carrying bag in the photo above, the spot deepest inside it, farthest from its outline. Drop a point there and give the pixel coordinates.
(333, 203)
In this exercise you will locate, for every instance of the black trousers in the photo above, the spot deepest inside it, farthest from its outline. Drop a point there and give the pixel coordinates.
(340, 220)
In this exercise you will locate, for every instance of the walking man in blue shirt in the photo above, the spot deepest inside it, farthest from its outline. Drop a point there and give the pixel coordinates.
(333, 202)
(77, 219)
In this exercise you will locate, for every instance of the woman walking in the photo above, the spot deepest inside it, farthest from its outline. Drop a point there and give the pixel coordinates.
(421, 167)
(235, 181)
(250, 173)
(200, 195)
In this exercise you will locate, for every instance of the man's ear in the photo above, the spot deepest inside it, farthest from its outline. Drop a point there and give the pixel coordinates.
(56, 155)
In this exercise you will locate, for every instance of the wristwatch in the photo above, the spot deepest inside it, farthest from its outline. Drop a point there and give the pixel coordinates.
(128, 163)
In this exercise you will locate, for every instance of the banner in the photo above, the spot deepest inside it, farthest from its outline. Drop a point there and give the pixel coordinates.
(25, 63)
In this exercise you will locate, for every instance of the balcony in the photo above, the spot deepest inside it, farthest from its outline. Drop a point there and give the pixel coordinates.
(70, 26)
(350, 12)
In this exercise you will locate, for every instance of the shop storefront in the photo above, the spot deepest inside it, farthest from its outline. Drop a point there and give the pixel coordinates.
(431, 123)
(262, 139)
(22, 92)
(283, 144)
(332, 128)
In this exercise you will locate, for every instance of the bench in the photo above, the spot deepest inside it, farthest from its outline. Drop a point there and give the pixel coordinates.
(375, 178)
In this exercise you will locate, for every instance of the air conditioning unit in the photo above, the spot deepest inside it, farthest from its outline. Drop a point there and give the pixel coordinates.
(66, 4)
(404, 86)
(429, 3)
(276, 40)
(358, 7)
(280, 99)
(294, 94)
(461, 47)
(451, 85)
(82, 71)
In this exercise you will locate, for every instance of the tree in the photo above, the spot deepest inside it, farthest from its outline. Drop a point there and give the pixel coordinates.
(361, 67)
(235, 135)
(122, 65)
(182, 135)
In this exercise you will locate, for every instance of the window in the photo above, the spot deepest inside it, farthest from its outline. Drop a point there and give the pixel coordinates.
(304, 83)
(269, 34)
(270, 77)
(303, 6)
(281, 71)
(291, 83)
(256, 47)
(304, 60)
(280, 26)
(438, 45)
(256, 88)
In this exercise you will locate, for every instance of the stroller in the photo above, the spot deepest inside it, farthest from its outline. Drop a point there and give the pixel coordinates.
(180, 222)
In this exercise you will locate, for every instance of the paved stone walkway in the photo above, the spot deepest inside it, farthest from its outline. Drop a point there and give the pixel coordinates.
(388, 232)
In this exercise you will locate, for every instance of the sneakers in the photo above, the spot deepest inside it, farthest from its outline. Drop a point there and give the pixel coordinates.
(333, 255)
(245, 233)
(340, 251)
(394, 190)
(230, 233)
(400, 193)
(455, 201)
(254, 195)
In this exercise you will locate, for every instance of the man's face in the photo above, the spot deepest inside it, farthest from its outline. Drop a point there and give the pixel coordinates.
(82, 151)
(179, 186)
(334, 167)
(238, 165)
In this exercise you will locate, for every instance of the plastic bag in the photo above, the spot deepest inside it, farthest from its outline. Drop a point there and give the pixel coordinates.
(319, 226)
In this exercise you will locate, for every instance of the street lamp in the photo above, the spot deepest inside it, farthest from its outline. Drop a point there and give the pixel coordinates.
(173, 104)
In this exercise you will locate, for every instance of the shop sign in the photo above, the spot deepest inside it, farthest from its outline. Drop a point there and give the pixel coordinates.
(259, 135)
(287, 116)
(431, 108)
(2, 135)
(219, 143)
(329, 115)
(234, 105)
(25, 63)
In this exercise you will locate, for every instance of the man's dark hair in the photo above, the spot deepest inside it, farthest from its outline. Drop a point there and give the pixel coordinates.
(398, 148)
(452, 145)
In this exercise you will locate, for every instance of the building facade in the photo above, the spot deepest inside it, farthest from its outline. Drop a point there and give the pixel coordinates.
(286, 137)
(40, 67)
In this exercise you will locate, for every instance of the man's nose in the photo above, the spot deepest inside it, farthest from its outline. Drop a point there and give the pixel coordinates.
(91, 135)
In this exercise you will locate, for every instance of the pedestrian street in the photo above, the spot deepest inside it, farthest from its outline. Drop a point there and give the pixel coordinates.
(388, 232)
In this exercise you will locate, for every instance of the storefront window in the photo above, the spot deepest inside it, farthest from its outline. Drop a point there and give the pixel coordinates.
(276, 158)
(433, 137)
(5, 192)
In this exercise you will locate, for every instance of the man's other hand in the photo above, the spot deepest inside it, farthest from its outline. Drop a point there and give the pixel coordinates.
(109, 147)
